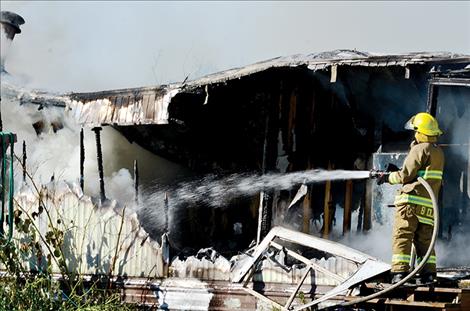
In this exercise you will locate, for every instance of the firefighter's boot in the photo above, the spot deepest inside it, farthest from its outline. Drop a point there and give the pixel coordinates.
(397, 277)
(426, 279)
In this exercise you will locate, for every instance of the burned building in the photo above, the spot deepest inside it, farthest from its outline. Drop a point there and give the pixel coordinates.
(330, 110)
(233, 134)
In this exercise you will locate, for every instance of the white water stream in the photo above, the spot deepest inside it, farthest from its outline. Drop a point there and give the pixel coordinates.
(216, 192)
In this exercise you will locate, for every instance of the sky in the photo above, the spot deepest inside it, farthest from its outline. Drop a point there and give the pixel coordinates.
(92, 45)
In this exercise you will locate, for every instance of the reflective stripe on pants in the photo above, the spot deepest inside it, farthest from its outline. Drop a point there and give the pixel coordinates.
(408, 230)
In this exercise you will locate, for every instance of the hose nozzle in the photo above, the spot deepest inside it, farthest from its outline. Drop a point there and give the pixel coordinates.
(381, 176)
(375, 173)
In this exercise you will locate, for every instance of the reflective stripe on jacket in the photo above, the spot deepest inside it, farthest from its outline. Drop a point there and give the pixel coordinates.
(424, 160)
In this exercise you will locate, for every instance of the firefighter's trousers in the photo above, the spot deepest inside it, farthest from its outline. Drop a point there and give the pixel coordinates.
(408, 230)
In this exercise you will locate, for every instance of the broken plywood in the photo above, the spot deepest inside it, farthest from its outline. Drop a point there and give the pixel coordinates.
(122, 107)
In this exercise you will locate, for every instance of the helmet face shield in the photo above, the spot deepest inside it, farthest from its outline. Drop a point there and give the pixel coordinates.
(409, 125)
(424, 123)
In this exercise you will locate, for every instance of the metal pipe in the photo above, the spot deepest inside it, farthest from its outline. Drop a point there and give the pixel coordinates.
(82, 160)
(421, 264)
(100, 161)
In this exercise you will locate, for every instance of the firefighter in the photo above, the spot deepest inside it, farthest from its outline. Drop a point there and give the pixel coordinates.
(414, 211)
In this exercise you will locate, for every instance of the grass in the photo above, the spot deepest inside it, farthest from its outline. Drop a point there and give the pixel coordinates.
(41, 293)
(27, 282)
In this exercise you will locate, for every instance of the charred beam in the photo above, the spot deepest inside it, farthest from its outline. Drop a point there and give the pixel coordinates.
(24, 161)
(99, 154)
(264, 218)
(347, 207)
(307, 211)
(327, 217)
(433, 92)
(82, 161)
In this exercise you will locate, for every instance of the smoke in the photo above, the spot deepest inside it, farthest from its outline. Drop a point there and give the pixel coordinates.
(453, 114)
(455, 252)
(129, 44)
(54, 153)
(50, 155)
(377, 241)
(5, 44)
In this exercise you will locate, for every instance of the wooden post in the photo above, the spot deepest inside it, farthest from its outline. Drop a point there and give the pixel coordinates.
(367, 216)
(99, 154)
(24, 161)
(347, 207)
(292, 120)
(264, 216)
(82, 160)
(327, 210)
(307, 211)
(327, 217)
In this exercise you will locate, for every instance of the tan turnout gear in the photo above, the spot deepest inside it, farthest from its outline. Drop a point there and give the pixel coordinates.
(414, 211)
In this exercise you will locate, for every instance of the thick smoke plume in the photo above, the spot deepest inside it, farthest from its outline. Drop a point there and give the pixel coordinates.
(53, 154)
(5, 45)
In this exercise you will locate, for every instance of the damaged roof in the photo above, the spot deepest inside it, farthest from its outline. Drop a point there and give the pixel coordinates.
(149, 105)
(324, 60)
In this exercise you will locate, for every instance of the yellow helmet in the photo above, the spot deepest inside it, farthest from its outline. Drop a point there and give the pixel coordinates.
(424, 123)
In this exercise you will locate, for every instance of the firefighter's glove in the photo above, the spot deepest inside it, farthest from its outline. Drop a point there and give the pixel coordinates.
(392, 168)
(382, 177)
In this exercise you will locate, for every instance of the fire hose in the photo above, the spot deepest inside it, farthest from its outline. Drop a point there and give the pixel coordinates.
(421, 264)
(3, 138)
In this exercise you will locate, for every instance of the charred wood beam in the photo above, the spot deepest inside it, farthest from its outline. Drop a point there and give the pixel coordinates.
(99, 154)
(82, 160)
(307, 211)
(263, 213)
(433, 93)
(367, 213)
(327, 207)
(24, 161)
(347, 207)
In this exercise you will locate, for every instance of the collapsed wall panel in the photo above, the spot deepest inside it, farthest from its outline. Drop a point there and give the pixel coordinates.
(93, 240)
